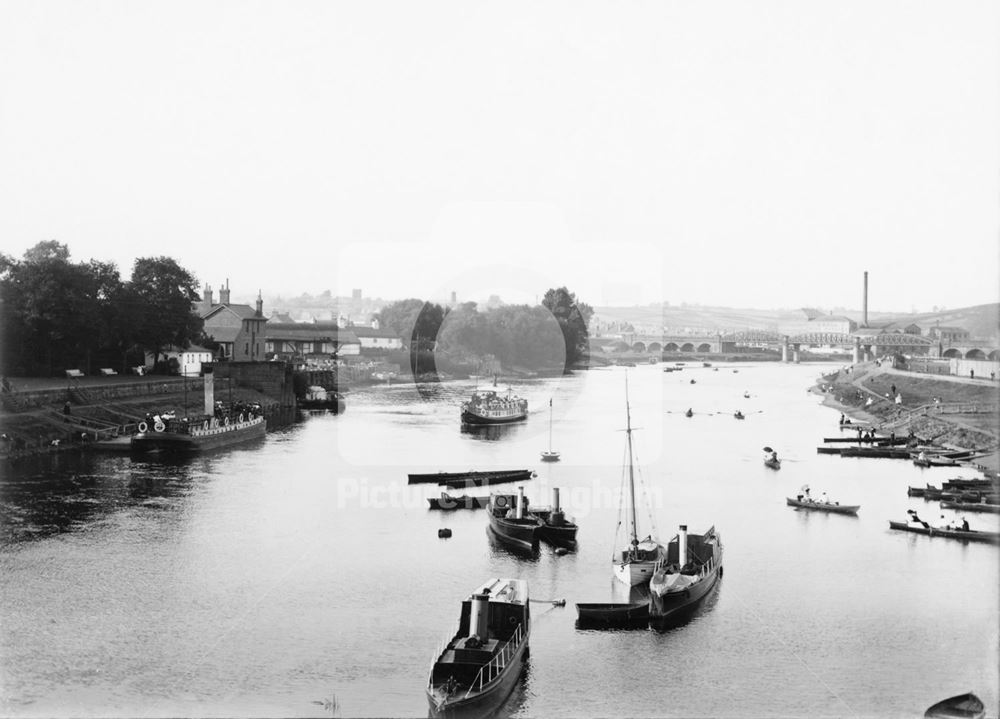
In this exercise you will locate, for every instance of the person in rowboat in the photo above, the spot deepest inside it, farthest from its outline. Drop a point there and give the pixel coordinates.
(824, 499)
(965, 524)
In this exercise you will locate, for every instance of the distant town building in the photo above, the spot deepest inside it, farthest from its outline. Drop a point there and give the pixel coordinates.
(812, 321)
(949, 335)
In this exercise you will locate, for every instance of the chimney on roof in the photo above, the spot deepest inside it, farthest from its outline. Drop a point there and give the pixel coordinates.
(224, 294)
(208, 296)
(260, 305)
(864, 303)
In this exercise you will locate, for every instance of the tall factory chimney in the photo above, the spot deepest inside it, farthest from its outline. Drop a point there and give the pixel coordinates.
(864, 303)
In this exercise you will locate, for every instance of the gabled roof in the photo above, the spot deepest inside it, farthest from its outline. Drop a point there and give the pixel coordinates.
(834, 318)
(244, 312)
(296, 331)
(192, 348)
(372, 332)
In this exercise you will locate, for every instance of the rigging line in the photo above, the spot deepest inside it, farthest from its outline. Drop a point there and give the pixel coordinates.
(647, 500)
(621, 503)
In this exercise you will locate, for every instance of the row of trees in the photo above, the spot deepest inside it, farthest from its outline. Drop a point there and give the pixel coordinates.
(56, 314)
(547, 335)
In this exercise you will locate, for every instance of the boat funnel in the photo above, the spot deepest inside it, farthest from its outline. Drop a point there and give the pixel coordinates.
(682, 545)
(209, 380)
(479, 616)
(519, 510)
(555, 499)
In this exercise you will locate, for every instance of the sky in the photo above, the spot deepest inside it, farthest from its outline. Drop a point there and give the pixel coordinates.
(751, 154)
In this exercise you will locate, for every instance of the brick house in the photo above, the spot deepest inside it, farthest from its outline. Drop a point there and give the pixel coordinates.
(239, 329)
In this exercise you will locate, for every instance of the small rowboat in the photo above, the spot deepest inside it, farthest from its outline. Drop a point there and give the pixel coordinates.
(594, 615)
(772, 463)
(963, 706)
(823, 506)
(972, 507)
(972, 535)
(465, 501)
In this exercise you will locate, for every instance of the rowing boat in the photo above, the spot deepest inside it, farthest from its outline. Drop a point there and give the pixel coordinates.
(963, 706)
(972, 507)
(972, 535)
(472, 478)
(823, 506)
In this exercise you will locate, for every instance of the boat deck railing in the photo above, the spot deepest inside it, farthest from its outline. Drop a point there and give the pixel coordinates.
(496, 665)
(441, 646)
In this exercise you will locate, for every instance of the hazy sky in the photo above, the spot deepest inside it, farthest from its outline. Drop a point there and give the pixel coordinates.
(755, 154)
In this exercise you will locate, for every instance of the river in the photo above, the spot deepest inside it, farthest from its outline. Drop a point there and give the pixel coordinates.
(301, 576)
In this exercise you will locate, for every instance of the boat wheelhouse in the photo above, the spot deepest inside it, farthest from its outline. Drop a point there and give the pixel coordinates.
(475, 670)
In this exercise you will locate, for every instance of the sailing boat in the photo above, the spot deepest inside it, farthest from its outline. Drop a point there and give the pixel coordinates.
(636, 563)
(551, 455)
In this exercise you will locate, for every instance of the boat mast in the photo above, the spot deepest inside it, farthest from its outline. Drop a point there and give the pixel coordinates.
(631, 476)
(550, 424)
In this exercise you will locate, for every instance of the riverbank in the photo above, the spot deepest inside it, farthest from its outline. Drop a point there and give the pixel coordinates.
(953, 412)
(46, 415)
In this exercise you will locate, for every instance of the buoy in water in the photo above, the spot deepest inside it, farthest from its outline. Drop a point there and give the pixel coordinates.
(561, 551)
(445, 533)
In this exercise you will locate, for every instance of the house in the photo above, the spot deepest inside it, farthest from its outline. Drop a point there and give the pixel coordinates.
(374, 340)
(309, 341)
(189, 360)
(949, 335)
(298, 340)
(239, 329)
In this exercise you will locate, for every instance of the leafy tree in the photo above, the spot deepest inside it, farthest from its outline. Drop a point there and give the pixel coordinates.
(51, 310)
(572, 317)
(161, 293)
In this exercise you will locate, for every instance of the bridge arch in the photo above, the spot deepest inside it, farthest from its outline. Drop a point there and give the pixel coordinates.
(638, 347)
(670, 347)
(621, 346)
(994, 355)
(952, 353)
(704, 347)
(655, 347)
(687, 347)
(976, 354)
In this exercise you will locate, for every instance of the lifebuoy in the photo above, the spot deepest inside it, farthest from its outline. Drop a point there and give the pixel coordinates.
(143, 427)
(159, 426)
(501, 501)
(241, 418)
(205, 426)
(513, 620)
(226, 421)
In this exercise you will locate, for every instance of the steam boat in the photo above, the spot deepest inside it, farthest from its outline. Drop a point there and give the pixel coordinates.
(219, 426)
(511, 523)
(193, 434)
(475, 670)
(488, 407)
(692, 567)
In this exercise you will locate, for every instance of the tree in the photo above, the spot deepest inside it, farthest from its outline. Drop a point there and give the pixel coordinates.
(51, 310)
(162, 294)
(572, 317)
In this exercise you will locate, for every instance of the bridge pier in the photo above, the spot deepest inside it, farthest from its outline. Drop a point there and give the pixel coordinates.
(856, 354)
(795, 356)
(784, 348)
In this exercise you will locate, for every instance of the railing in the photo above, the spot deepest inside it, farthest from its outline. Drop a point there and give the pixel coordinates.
(933, 408)
(439, 650)
(496, 665)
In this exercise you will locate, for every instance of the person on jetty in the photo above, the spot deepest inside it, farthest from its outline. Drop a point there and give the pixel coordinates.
(965, 524)
(824, 499)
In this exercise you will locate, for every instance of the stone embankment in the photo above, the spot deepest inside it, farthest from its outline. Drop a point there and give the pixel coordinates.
(951, 411)
(40, 416)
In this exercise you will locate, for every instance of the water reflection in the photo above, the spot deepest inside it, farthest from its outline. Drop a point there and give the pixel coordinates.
(39, 501)
(491, 432)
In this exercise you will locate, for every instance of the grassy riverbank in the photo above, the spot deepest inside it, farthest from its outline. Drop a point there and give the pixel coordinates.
(952, 411)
